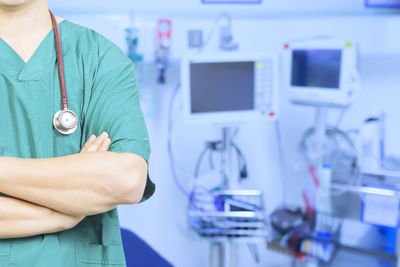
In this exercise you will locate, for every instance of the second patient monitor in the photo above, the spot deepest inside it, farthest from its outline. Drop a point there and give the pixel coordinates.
(322, 72)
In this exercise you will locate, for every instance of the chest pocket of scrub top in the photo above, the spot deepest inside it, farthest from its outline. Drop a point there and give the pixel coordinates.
(90, 255)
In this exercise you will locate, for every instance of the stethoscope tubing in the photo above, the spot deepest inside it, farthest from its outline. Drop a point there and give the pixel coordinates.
(65, 121)
(60, 62)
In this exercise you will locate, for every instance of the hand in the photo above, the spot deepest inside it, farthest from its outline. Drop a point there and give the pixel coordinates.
(101, 143)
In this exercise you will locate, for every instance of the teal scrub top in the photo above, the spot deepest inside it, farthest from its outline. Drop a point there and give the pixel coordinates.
(102, 90)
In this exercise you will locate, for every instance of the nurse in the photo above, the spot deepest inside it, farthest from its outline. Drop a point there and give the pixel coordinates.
(58, 192)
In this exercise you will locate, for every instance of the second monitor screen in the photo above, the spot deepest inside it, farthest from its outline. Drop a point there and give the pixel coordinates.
(219, 87)
(316, 68)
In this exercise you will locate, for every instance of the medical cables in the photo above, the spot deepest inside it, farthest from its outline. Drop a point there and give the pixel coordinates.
(190, 195)
(216, 146)
(169, 142)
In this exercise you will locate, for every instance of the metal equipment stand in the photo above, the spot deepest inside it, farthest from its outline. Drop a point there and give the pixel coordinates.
(226, 155)
(223, 254)
(320, 133)
(237, 215)
(320, 145)
(223, 251)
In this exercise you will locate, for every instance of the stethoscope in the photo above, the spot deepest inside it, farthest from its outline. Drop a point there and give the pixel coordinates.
(65, 121)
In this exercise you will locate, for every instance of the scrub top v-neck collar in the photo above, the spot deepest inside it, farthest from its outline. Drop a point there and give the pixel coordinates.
(40, 62)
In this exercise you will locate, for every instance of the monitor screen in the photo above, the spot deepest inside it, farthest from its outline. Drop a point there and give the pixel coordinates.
(219, 87)
(316, 68)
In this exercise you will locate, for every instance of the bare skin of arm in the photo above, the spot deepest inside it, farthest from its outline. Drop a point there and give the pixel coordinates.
(80, 184)
(19, 218)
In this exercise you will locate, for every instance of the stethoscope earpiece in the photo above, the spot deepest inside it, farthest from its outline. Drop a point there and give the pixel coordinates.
(65, 121)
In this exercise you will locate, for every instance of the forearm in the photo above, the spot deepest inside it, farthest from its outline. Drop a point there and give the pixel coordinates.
(22, 219)
(79, 184)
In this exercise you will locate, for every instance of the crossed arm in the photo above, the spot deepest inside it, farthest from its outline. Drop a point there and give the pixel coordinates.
(51, 195)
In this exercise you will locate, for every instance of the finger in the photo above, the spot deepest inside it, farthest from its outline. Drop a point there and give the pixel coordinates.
(88, 143)
(96, 143)
(105, 145)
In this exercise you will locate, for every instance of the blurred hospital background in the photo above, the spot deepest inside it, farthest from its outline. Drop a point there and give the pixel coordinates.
(274, 127)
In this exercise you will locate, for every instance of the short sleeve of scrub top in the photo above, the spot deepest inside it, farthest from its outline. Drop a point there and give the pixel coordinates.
(113, 106)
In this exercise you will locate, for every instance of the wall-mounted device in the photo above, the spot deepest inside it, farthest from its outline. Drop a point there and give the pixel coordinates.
(132, 43)
(230, 88)
(322, 72)
(164, 35)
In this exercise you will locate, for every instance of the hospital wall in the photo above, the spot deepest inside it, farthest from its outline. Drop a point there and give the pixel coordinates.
(161, 221)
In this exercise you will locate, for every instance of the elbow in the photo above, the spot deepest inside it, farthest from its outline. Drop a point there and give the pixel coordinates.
(133, 177)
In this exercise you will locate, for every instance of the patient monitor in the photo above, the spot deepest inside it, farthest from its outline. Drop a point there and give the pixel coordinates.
(322, 72)
(230, 87)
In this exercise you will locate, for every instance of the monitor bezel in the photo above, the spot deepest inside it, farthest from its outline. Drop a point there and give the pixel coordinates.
(225, 117)
(320, 95)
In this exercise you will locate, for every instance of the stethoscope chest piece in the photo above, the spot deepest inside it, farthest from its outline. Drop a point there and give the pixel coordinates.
(65, 121)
